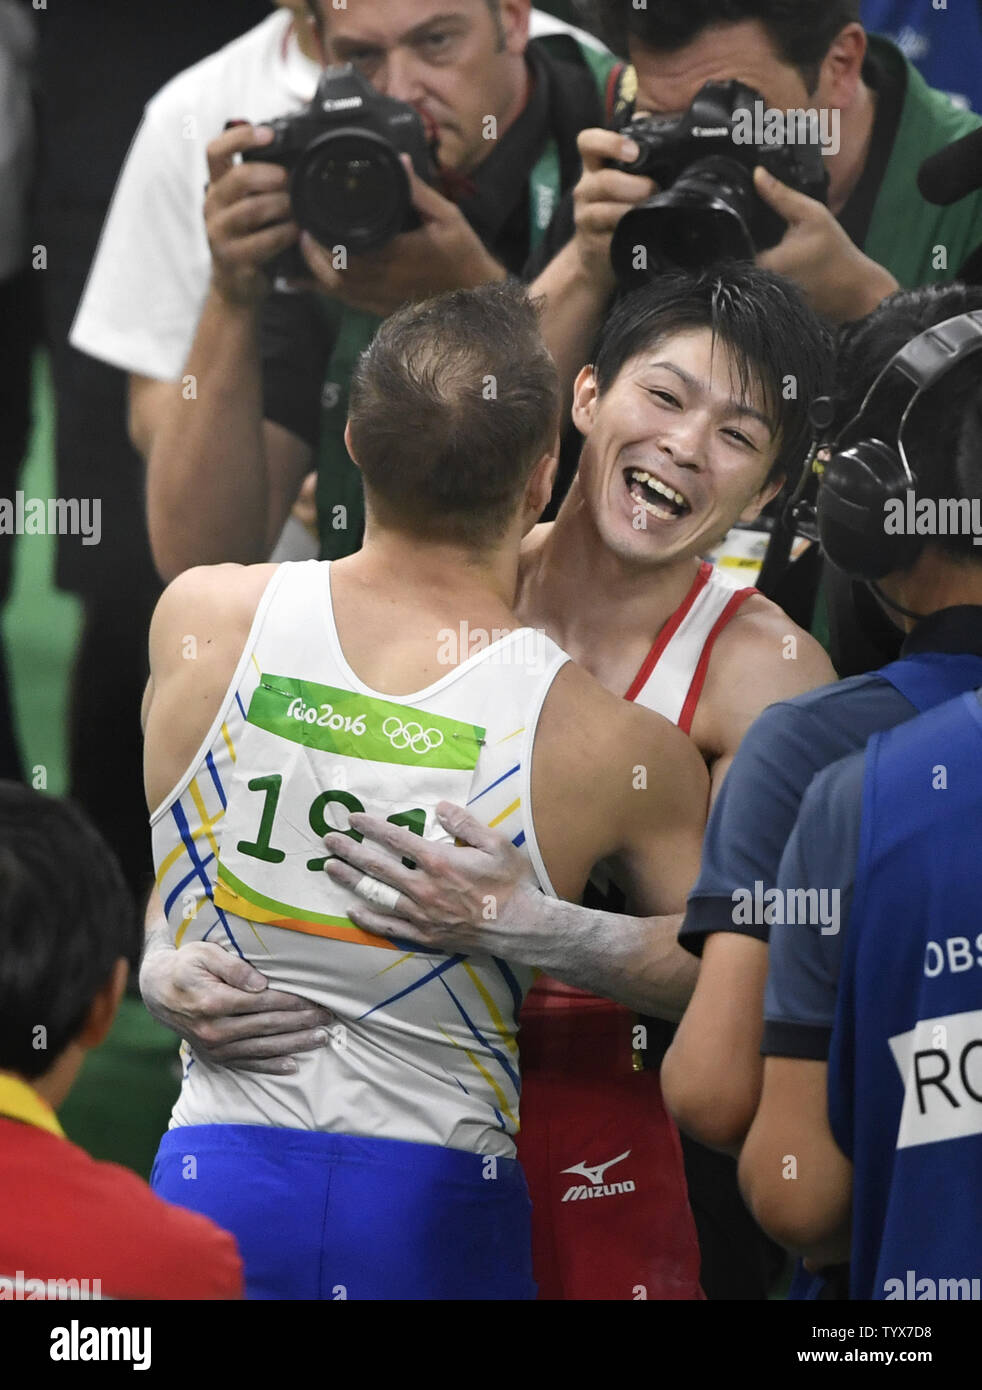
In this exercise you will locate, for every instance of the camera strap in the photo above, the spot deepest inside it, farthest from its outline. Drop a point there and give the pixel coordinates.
(544, 191)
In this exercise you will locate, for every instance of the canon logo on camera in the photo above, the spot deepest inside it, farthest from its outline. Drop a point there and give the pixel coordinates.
(341, 104)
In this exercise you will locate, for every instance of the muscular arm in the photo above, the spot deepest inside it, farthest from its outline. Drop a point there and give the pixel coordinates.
(641, 805)
(635, 961)
(220, 482)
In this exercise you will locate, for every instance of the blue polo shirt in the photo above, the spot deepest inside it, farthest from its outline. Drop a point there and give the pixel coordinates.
(892, 996)
(805, 955)
(758, 804)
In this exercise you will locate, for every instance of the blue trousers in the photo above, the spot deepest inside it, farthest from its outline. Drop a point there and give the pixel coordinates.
(331, 1216)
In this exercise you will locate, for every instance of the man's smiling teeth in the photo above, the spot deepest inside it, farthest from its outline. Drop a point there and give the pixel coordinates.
(638, 475)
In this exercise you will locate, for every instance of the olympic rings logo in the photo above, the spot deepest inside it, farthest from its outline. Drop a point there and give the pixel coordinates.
(411, 735)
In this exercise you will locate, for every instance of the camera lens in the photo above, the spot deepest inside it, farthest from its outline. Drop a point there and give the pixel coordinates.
(703, 218)
(349, 189)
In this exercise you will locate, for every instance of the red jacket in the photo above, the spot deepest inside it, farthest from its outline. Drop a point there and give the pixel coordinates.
(64, 1216)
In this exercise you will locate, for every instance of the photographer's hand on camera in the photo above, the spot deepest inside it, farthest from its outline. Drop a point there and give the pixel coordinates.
(600, 199)
(445, 253)
(576, 286)
(838, 280)
(247, 215)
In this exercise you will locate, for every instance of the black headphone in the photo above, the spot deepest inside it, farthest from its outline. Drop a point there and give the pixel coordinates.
(861, 477)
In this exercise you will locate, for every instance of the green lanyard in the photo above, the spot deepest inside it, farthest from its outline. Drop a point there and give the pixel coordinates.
(544, 189)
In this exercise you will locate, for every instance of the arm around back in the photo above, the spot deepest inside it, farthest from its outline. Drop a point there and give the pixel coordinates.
(615, 782)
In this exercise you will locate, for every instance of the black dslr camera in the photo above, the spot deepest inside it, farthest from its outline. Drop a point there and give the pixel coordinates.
(707, 209)
(347, 185)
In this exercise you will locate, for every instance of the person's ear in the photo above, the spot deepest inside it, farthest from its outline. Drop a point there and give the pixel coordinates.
(842, 68)
(103, 1008)
(347, 444)
(539, 489)
(760, 500)
(585, 398)
(514, 17)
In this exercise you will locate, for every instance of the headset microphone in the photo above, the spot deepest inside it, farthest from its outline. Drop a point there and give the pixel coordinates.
(889, 602)
(798, 513)
(800, 506)
(954, 172)
(863, 474)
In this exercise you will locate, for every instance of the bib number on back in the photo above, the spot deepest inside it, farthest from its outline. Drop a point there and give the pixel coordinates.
(309, 756)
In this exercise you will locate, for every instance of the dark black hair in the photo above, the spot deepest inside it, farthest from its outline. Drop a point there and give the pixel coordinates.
(66, 917)
(801, 30)
(933, 430)
(451, 407)
(776, 341)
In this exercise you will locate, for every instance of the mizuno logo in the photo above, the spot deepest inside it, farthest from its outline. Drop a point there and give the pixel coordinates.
(596, 1175)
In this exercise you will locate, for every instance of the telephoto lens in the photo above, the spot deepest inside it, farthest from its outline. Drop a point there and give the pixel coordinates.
(703, 218)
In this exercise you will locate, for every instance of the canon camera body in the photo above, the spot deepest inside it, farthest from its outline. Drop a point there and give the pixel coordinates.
(706, 208)
(347, 185)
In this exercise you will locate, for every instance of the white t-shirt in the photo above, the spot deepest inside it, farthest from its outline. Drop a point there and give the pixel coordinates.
(150, 276)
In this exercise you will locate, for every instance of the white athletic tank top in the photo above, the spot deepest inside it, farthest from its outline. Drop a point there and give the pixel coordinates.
(424, 1049)
(670, 682)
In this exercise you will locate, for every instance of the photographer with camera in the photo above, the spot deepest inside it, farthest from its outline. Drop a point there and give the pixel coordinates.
(877, 121)
(487, 121)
